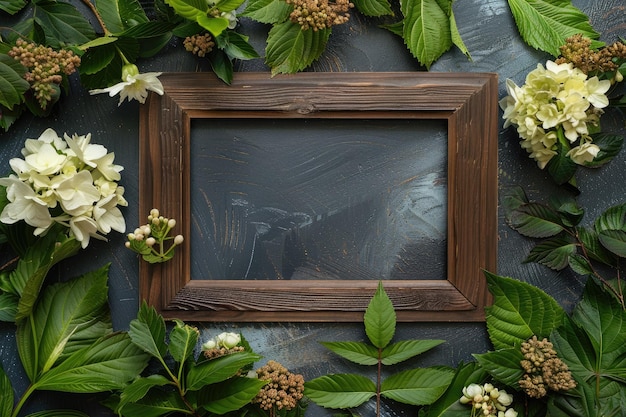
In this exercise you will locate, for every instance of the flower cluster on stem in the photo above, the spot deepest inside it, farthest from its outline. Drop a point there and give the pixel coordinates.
(284, 389)
(222, 344)
(319, 14)
(486, 400)
(543, 369)
(150, 240)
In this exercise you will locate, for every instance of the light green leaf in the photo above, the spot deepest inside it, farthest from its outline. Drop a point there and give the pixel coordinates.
(63, 24)
(536, 220)
(356, 352)
(426, 30)
(12, 6)
(406, 349)
(12, 85)
(183, 339)
(218, 370)
(419, 386)
(147, 331)
(102, 40)
(340, 390)
(291, 49)
(215, 25)
(189, 9)
(267, 11)
(545, 24)
(230, 395)
(553, 253)
(456, 36)
(228, 5)
(504, 365)
(380, 318)
(6, 394)
(519, 311)
(373, 7)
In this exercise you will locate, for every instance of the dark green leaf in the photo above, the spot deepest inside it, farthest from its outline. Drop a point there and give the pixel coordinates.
(147, 331)
(561, 167)
(610, 146)
(545, 25)
(339, 390)
(58, 413)
(553, 253)
(406, 349)
(268, 11)
(222, 66)
(519, 311)
(156, 403)
(148, 30)
(236, 45)
(426, 30)
(63, 24)
(12, 7)
(417, 386)
(380, 318)
(568, 209)
(96, 58)
(110, 13)
(218, 370)
(6, 394)
(503, 365)
(183, 339)
(580, 264)
(139, 388)
(373, 7)
(615, 241)
(536, 220)
(12, 84)
(356, 352)
(230, 395)
(512, 199)
(8, 306)
(613, 218)
(593, 248)
(291, 49)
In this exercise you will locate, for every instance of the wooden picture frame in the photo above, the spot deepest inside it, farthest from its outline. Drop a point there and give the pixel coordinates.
(466, 102)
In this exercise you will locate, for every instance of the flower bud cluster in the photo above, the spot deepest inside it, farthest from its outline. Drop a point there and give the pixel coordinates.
(222, 344)
(543, 369)
(577, 50)
(319, 14)
(200, 44)
(284, 389)
(486, 400)
(45, 68)
(149, 240)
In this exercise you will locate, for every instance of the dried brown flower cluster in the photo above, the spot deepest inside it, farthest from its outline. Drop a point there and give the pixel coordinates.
(284, 389)
(543, 369)
(577, 50)
(45, 67)
(200, 44)
(221, 351)
(319, 14)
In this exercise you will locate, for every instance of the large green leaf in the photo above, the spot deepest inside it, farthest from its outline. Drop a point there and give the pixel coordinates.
(108, 364)
(236, 45)
(357, 352)
(229, 395)
(215, 25)
(380, 318)
(139, 388)
(519, 311)
(6, 394)
(291, 49)
(406, 349)
(611, 229)
(419, 386)
(504, 365)
(228, 5)
(535, 220)
(183, 339)
(189, 9)
(561, 167)
(373, 7)
(593, 248)
(156, 403)
(63, 24)
(610, 145)
(147, 331)
(340, 390)
(553, 252)
(12, 84)
(426, 30)
(545, 24)
(12, 6)
(119, 15)
(267, 11)
(8, 306)
(218, 370)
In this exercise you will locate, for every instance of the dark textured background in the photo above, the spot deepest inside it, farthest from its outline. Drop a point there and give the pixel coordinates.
(489, 32)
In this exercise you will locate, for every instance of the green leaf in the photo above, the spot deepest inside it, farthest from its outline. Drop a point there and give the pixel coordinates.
(580, 264)
(228, 5)
(593, 248)
(12, 7)
(58, 413)
(615, 241)
(426, 30)
(503, 365)
(291, 49)
(419, 386)
(406, 349)
(189, 9)
(512, 199)
(222, 66)
(98, 57)
(373, 7)
(218, 370)
(6, 394)
(12, 84)
(215, 25)
(519, 311)
(156, 403)
(268, 11)
(147, 331)
(236, 45)
(610, 146)
(611, 229)
(380, 318)
(8, 306)
(139, 388)
(536, 220)
(229, 395)
(183, 339)
(119, 15)
(339, 390)
(553, 253)
(545, 24)
(456, 36)
(356, 352)
(63, 24)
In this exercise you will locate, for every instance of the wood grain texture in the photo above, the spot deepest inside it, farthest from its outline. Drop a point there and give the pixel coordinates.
(468, 104)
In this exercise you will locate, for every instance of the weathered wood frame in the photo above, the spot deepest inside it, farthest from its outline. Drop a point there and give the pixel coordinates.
(468, 102)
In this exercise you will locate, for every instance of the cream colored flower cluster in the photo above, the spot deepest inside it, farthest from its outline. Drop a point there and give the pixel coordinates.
(488, 401)
(68, 181)
(557, 100)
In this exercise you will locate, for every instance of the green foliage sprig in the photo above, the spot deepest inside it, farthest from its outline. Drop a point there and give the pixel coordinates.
(418, 386)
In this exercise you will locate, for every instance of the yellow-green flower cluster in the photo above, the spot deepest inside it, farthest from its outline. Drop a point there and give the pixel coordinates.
(557, 101)
(487, 400)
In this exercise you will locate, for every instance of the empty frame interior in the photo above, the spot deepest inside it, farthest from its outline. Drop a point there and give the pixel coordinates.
(292, 193)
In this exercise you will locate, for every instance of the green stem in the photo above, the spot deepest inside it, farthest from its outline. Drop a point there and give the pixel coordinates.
(18, 407)
(378, 381)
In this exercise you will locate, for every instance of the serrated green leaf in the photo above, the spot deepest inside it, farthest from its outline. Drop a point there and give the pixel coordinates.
(268, 11)
(519, 311)
(139, 388)
(593, 248)
(6, 394)
(12, 7)
(545, 24)
(12, 84)
(553, 253)
(340, 390)
(535, 220)
(230, 395)
(614, 241)
(62, 24)
(147, 331)
(419, 386)
(189, 9)
(373, 7)
(426, 30)
(228, 5)
(580, 265)
(156, 403)
(218, 370)
(119, 15)
(356, 352)
(406, 349)
(380, 318)
(503, 365)
(614, 218)
(512, 199)
(610, 145)
(183, 339)
(290, 49)
(96, 58)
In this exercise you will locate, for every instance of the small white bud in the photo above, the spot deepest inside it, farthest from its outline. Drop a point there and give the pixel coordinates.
(178, 239)
(171, 223)
(150, 241)
(209, 344)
